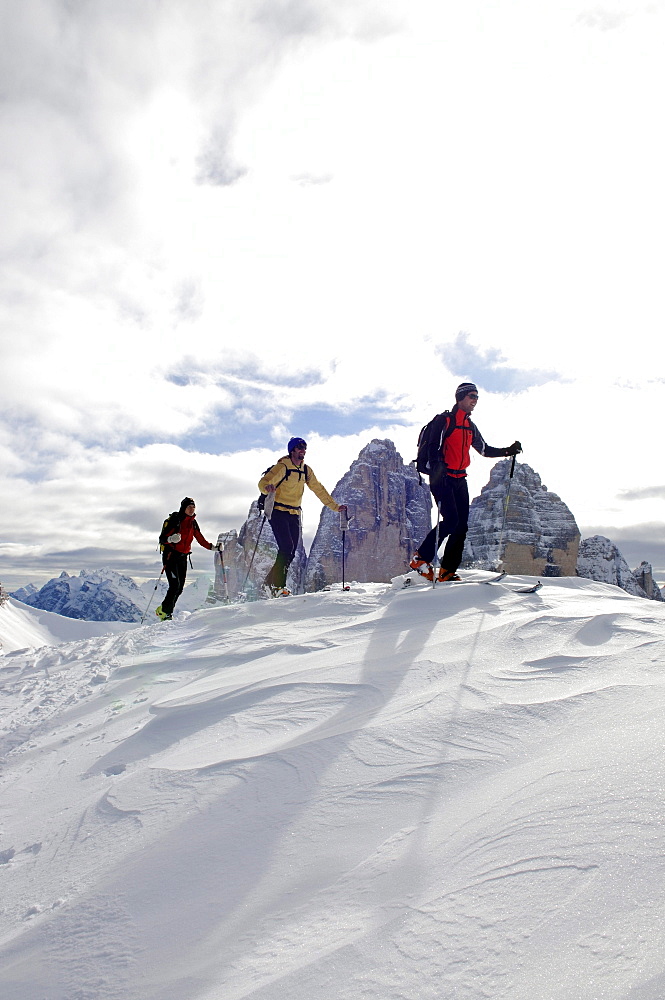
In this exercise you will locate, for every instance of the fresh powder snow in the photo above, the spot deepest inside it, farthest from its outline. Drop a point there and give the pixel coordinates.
(450, 793)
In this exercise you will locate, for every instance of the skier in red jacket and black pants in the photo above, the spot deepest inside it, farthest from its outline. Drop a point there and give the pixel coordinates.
(449, 486)
(178, 533)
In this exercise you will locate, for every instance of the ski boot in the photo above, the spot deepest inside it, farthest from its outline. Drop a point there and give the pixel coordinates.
(423, 568)
(447, 576)
(162, 615)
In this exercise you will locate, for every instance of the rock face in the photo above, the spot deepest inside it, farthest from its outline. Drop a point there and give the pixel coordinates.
(96, 596)
(237, 554)
(390, 513)
(600, 559)
(643, 574)
(540, 538)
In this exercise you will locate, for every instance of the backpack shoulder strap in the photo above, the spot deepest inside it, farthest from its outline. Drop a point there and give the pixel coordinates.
(287, 473)
(450, 417)
(441, 427)
(170, 525)
(301, 472)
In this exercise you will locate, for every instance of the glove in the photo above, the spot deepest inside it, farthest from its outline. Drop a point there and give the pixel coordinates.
(514, 449)
(174, 539)
(217, 547)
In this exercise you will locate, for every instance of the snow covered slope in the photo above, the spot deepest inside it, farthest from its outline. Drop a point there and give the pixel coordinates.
(447, 794)
(22, 626)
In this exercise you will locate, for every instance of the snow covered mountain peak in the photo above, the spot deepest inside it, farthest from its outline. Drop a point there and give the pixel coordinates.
(94, 595)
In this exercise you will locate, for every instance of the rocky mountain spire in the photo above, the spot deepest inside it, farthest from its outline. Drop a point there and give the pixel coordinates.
(540, 538)
(391, 514)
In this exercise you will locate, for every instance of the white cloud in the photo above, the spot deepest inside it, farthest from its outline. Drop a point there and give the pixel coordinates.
(378, 180)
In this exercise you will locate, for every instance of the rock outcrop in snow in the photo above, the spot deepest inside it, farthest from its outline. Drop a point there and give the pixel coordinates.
(540, 538)
(600, 559)
(643, 574)
(391, 515)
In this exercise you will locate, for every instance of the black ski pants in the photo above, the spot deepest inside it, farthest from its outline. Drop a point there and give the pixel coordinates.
(286, 529)
(452, 498)
(175, 568)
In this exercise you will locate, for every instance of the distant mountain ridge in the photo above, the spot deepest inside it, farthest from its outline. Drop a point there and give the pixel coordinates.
(105, 595)
(94, 595)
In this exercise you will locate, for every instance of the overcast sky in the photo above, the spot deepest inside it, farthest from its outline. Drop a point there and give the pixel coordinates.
(227, 223)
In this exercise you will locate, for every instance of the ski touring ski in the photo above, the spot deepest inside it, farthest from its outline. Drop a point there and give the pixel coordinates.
(410, 580)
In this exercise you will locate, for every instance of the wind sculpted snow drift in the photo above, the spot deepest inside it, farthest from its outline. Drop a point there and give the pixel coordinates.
(422, 794)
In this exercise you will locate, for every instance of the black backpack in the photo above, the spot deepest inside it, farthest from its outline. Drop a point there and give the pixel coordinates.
(261, 502)
(171, 526)
(430, 442)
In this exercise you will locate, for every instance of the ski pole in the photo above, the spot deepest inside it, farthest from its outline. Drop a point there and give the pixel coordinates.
(226, 582)
(151, 596)
(436, 561)
(254, 552)
(220, 541)
(505, 510)
(344, 524)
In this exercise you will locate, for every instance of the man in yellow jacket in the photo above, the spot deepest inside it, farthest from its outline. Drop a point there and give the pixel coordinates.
(287, 480)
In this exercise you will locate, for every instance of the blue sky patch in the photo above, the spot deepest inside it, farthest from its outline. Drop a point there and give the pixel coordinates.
(327, 420)
(488, 369)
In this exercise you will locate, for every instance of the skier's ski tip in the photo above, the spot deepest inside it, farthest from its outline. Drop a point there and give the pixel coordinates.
(529, 590)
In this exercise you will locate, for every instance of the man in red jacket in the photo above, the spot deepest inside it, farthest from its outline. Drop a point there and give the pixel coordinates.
(449, 486)
(179, 531)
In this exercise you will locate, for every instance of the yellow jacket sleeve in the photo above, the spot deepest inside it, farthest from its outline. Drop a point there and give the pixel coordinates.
(320, 491)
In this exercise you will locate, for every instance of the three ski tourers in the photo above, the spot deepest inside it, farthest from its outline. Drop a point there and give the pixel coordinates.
(178, 532)
(443, 453)
(444, 450)
(287, 480)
